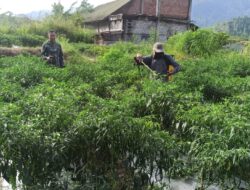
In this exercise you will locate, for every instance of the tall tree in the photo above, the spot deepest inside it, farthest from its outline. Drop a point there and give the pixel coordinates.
(57, 9)
(85, 7)
(81, 11)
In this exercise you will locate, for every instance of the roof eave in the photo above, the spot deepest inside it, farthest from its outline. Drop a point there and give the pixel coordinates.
(93, 21)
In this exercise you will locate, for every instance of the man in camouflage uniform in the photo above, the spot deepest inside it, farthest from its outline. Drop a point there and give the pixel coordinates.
(52, 51)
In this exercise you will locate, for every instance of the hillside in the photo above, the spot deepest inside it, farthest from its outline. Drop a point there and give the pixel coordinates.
(208, 12)
(236, 27)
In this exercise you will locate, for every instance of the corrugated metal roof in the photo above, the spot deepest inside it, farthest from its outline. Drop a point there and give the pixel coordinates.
(103, 11)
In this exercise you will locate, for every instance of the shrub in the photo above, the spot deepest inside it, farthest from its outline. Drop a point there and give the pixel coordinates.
(199, 43)
(215, 92)
(8, 40)
(91, 50)
(68, 28)
(105, 125)
(241, 67)
(25, 32)
(10, 92)
(30, 40)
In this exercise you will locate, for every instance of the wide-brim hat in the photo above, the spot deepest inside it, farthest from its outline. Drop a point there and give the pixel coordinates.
(158, 47)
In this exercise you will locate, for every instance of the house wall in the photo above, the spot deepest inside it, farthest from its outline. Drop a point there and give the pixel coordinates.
(108, 31)
(168, 29)
(143, 28)
(102, 27)
(175, 8)
(114, 24)
(120, 27)
(137, 20)
(168, 8)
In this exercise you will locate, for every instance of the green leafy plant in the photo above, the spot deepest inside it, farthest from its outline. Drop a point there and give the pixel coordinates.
(104, 124)
(199, 43)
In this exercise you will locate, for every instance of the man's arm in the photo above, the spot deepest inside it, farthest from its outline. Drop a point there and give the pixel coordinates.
(172, 62)
(146, 60)
(44, 53)
(61, 56)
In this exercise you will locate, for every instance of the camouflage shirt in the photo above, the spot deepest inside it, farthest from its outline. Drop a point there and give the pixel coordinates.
(54, 50)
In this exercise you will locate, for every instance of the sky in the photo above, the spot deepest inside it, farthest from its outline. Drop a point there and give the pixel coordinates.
(27, 6)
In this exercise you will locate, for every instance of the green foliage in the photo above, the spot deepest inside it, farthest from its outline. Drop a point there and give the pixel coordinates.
(30, 40)
(91, 50)
(25, 32)
(7, 40)
(24, 74)
(236, 27)
(9, 22)
(10, 92)
(199, 43)
(13, 31)
(85, 7)
(105, 125)
(69, 22)
(67, 27)
(242, 67)
(57, 9)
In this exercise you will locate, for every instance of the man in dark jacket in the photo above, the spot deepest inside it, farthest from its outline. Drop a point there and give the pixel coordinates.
(159, 62)
(52, 51)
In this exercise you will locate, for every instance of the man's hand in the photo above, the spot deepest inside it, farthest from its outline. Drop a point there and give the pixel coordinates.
(169, 73)
(47, 58)
(138, 58)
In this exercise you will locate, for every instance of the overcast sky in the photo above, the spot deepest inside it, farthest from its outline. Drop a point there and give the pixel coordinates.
(26, 6)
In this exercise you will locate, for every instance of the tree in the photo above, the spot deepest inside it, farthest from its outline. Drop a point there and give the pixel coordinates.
(85, 7)
(57, 9)
(75, 14)
(81, 11)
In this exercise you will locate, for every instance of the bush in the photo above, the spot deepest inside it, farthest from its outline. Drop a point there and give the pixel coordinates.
(10, 92)
(242, 67)
(105, 125)
(66, 27)
(215, 92)
(25, 32)
(30, 40)
(8, 40)
(91, 50)
(199, 43)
